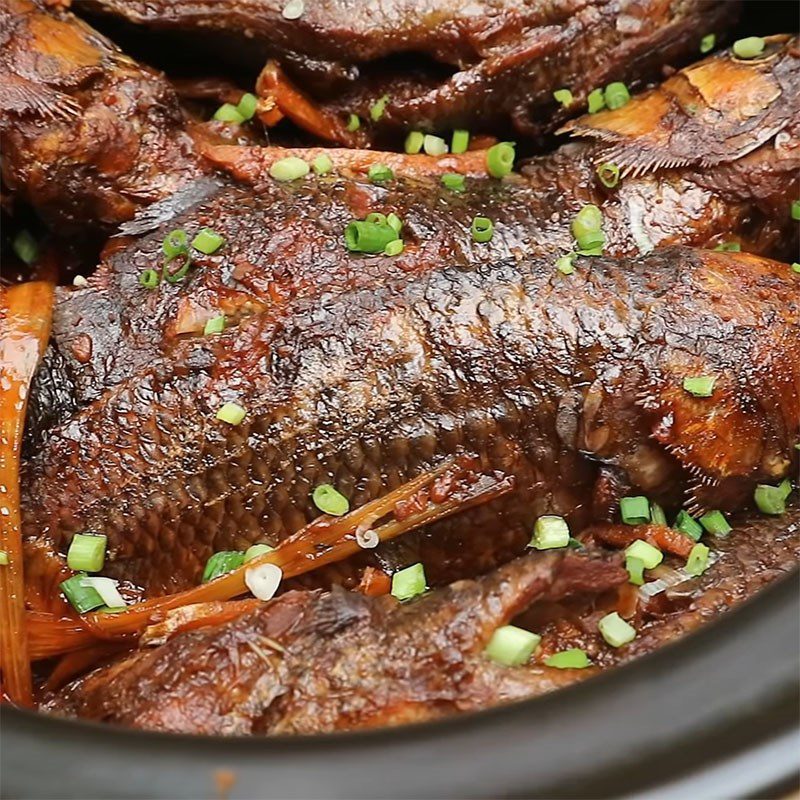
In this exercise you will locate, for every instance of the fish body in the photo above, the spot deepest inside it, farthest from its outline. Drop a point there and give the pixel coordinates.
(544, 377)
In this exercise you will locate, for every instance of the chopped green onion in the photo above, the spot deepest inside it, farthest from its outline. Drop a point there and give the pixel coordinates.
(728, 247)
(697, 563)
(616, 95)
(686, 523)
(772, 499)
(750, 47)
(700, 385)
(329, 501)
(434, 145)
(208, 241)
(409, 582)
(460, 141)
(394, 248)
(500, 159)
(353, 123)
(707, 43)
(263, 580)
(322, 165)
(635, 567)
(293, 9)
(592, 251)
(587, 228)
(615, 630)
(174, 276)
(247, 106)
(566, 264)
(657, 515)
(376, 218)
(379, 173)
(512, 646)
(81, 598)
(574, 658)
(368, 237)
(256, 550)
(715, 523)
(228, 112)
(149, 279)
(3, 558)
(549, 532)
(221, 564)
(575, 544)
(87, 552)
(378, 107)
(635, 510)
(650, 556)
(232, 413)
(394, 222)
(608, 174)
(414, 142)
(25, 247)
(795, 266)
(214, 325)
(564, 96)
(796, 209)
(289, 169)
(482, 229)
(453, 181)
(175, 243)
(107, 589)
(596, 100)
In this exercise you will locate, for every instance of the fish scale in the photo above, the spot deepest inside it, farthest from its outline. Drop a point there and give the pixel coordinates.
(461, 381)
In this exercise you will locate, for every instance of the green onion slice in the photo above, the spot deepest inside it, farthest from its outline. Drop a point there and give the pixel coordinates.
(615, 630)
(635, 510)
(394, 222)
(564, 96)
(208, 241)
(394, 248)
(566, 264)
(322, 165)
(214, 325)
(596, 101)
(708, 42)
(25, 247)
(368, 237)
(608, 173)
(87, 552)
(409, 582)
(686, 523)
(149, 279)
(434, 145)
(749, 47)
(232, 413)
(574, 658)
(329, 501)
(482, 229)
(256, 550)
(772, 499)
(175, 243)
(550, 532)
(697, 563)
(728, 247)
(512, 646)
(657, 515)
(379, 173)
(3, 558)
(414, 142)
(643, 551)
(460, 141)
(715, 523)
(500, 159)
(635, 567)
(796, 209)
(795, 266)
(699, 385)
(353, 123)
(175, 275)
(247, 106)
(289, 169)
(221, 564)
(228, 113)
(378, 107)
(616, 95)
(587, 228)
(453, 181)
(81, 598)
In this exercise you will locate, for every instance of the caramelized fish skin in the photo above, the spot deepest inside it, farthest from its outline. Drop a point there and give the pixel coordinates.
(491, 65)
(544, 377)
(88, 136)
(310, 662)
(278, 248)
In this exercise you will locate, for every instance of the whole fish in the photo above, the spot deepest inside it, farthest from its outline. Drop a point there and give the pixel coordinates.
(309, 662)
(481, 66)
(572, 384)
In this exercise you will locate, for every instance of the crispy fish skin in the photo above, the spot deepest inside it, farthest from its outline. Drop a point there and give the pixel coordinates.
(88, 136)
(544, 377)
(277, 249)
(492, 63)
(310, 662)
